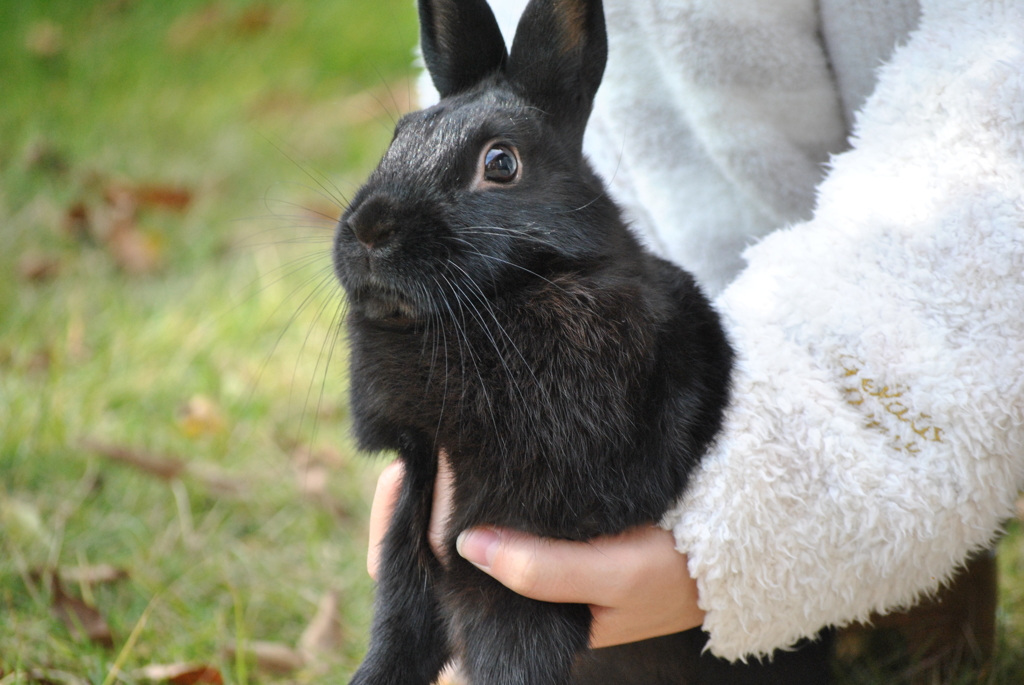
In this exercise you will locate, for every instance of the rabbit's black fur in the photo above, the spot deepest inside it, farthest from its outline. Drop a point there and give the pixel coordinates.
(573, 378)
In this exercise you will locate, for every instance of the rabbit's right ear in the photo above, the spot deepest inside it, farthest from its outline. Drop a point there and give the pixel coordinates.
(558, 58)
(461, 43)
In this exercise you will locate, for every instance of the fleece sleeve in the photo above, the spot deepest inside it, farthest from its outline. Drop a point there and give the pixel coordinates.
(876, 432)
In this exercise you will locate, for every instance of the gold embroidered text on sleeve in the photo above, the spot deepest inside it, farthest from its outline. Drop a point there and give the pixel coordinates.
(886, 409)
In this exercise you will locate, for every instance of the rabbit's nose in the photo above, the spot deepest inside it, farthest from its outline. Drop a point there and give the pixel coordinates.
(371, 224)
(371, 233)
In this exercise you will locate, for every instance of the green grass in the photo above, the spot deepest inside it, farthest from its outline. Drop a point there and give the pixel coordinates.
(267, 113)
(251, 107)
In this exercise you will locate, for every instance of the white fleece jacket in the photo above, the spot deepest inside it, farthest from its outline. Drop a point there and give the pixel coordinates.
(876, 432)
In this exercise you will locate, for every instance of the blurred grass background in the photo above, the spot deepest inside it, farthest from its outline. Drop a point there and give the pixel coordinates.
(169, 176)
(169, 404)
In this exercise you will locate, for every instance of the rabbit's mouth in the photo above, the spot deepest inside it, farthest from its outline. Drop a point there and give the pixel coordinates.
(386, 305)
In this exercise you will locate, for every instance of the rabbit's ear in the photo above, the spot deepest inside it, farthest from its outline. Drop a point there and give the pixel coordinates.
(461, 43)
(558, 58)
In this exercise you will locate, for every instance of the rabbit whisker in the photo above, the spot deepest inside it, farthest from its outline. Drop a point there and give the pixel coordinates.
(303, 240)
(398, 110)
(327, 282)
(331, 343)
(430, 332)
(504, 231)
(326, 193)
(328, 218)
(502, 234)
(494, 343)
(302, 262)
(320, 356)
(444, 393)
(318, 223)
(476, 366)
(584, 206)
(458, 340)
(523, 268)
(490, 310)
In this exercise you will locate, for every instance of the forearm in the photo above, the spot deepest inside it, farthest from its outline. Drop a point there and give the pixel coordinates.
(875, 436)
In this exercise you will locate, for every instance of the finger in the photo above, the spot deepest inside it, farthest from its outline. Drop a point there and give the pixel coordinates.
(389, 486)
(674, 611)
(442, 507)
(603, 571)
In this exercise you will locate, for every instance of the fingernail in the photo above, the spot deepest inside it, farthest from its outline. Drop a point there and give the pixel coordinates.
(478, 546)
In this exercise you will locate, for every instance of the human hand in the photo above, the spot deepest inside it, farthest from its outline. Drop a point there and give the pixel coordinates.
(636, 583)
(389, 486)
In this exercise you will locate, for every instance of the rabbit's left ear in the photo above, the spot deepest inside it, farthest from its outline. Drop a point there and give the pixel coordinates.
(461, 43)
(558, 58)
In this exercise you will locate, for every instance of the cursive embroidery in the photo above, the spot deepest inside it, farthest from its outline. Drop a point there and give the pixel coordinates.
(885, 409)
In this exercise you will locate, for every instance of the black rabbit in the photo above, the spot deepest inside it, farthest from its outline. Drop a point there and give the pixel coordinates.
(501, 310)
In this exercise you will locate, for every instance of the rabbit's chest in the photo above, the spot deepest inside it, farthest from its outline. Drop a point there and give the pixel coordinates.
(542, 419)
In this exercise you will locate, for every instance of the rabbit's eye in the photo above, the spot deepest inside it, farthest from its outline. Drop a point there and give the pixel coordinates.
(500, 165)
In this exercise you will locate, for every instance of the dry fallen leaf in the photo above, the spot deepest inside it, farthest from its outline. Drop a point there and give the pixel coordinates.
(322, 636)
(189, 29)
(44, 39)
(38, 267)
(131, 197)
(255, 19)
(45, 156)
(137, 253)
(328, 456)
(216, 480)
(271, 657)
(168, 467)
(163, 197)
(81, 620)
(41, 676)
(116, 6)
(121, 196)
(76, 349)
(116, 214)
(181, 674)
(39, 361)
(22, 521)
(200, 416)
(277, 103)
(133, 250)
(76, 221)
(310, 474)
(93, 575)
(161, 467)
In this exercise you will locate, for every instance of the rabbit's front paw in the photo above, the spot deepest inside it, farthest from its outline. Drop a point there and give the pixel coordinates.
(368, 674)
(404, 665)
